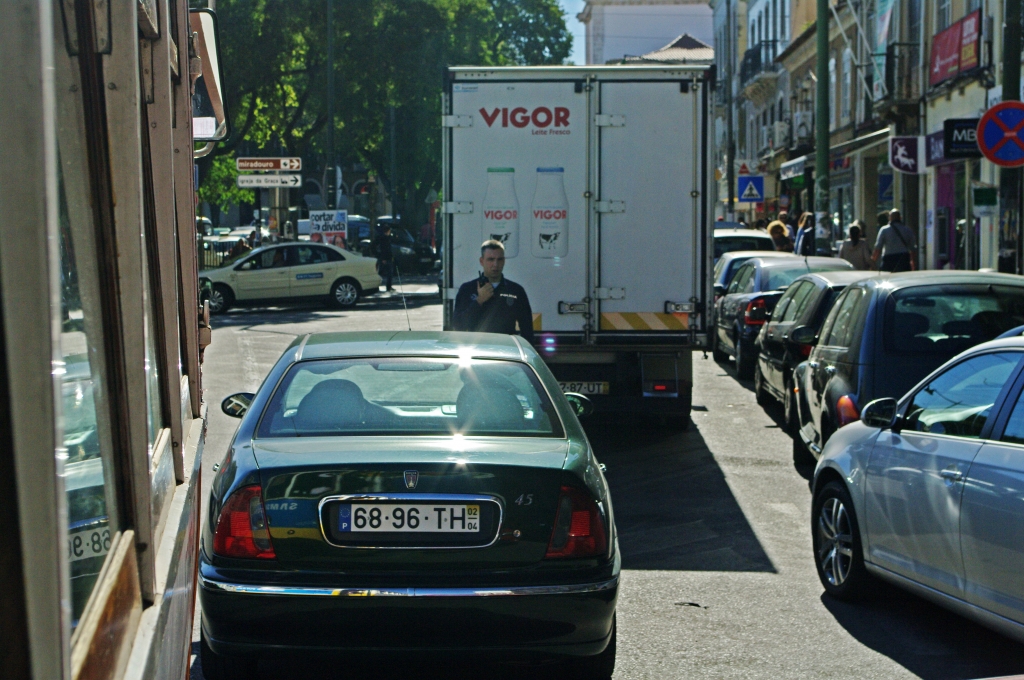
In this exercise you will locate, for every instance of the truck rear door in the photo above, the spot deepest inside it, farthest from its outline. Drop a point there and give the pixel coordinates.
(649, 250)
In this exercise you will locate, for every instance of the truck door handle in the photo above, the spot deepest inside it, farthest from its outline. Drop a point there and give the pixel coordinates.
(952, 474)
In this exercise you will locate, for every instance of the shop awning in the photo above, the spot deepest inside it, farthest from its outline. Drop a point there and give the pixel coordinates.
(793, 168)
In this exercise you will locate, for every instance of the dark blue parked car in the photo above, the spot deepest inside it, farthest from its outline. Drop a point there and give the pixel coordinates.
(750, 298)
(885, 334)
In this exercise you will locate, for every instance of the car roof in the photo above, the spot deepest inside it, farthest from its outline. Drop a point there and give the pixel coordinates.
(410, 343)
(810, 261)
(933, 277)
(839, 277)
(726, 232)
(733, 254)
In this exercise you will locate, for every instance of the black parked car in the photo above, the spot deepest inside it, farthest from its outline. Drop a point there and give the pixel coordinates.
(886, 333)
(750, 298)
(411, 256)
(785, 339)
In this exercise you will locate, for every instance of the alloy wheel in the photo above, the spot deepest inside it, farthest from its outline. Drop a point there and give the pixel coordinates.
(346, 294)
(835, 541)
(216, 301)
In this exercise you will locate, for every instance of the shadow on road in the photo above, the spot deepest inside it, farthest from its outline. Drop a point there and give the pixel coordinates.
(673, 508)
(302, 312)
(926, 639)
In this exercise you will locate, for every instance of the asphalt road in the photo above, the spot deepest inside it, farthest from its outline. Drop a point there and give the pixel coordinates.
(718, 578)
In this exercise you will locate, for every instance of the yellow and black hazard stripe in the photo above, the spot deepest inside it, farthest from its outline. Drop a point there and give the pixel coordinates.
(644, 321)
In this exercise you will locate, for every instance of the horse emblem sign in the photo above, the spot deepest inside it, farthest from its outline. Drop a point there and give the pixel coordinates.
(905, 154)
(1001, 134)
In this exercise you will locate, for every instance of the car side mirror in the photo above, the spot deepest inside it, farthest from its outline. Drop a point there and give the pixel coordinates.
(209, 115)
(803, 335)
(880, 413)
(581, 405)
(719, 289)
(237, 405)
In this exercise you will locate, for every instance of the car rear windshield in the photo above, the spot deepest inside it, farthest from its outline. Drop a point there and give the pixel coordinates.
(727, 244)
(949, 319)
(409, 396)
(779, 277)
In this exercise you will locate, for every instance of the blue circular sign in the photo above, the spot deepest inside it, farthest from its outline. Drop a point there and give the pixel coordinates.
(1001, 134)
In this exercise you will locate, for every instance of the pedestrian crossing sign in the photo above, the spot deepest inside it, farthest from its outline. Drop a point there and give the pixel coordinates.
(751, 189)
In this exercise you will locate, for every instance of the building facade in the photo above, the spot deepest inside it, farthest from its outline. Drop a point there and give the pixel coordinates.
(616, 29)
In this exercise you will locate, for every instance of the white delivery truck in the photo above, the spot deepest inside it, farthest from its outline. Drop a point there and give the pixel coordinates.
(596, 178)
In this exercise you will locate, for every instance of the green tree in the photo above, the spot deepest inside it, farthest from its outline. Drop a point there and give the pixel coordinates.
(532, 32)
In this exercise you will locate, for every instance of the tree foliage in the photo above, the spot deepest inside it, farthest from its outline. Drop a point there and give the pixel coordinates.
(388, 53)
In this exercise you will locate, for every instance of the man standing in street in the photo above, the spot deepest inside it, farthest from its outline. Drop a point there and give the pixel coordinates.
(385, 260)
(492, 303)
(895, 245)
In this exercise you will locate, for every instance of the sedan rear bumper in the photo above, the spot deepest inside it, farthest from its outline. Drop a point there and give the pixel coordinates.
(263, 620)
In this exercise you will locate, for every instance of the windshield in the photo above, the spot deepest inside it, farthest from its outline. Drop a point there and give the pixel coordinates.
(949, 319)
(727, 244)
(409, 395)
(779, 277)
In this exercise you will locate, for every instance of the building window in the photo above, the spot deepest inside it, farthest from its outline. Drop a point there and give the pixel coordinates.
(844, 103)
(832, 110)
(943, 14)
(973, 5)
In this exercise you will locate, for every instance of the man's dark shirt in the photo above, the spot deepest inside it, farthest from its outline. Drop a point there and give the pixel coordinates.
(508, 305)
(382, 248)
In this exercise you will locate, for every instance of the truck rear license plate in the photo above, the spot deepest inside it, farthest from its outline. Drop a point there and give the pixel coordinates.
(420, 518)
(584, 387)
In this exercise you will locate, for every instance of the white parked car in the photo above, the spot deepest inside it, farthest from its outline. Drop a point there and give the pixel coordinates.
(928, 492)
(290, 271)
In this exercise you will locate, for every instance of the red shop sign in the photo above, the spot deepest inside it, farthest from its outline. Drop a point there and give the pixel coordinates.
(955, 50)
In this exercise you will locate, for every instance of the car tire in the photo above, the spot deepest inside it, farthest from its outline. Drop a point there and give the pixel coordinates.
(744, 366)
(717, 354)
(598, 667)
(345, 293)
(789, 410)
(762, 397)
(838, 555)
(221, 298)
(219, 667)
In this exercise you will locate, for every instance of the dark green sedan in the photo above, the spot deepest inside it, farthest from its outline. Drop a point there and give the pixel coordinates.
(423, 492)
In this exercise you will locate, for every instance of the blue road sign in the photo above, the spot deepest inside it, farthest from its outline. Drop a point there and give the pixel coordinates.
(1001, 134)
(750, 189)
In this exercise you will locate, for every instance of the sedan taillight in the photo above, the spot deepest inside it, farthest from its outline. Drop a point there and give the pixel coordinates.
(242, 529)
(756, 312)
(579, 530)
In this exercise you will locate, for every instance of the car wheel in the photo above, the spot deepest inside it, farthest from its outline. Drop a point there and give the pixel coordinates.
(837, 549)
(221, 298)
(219, 667)
(789, 407)
(599, 667)
(762, 397)
(345, 293)
(744, 366)
(717, 354)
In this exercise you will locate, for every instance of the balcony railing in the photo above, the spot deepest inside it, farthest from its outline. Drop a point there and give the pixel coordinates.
(903, 74)
(757, 60)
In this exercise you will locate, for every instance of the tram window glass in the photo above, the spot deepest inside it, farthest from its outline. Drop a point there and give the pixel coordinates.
(154, 407)
(88, 470)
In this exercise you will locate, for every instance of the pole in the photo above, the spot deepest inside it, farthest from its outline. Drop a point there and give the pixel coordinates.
(821, 124)
(393, 173)
(330, 106)
(730, 144)
(1010, 237)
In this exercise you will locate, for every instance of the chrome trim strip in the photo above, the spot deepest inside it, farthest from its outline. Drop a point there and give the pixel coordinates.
(514, 591)
(411, 498)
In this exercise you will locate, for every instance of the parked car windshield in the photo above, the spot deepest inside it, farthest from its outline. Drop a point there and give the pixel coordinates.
(949, 319)
(409, 395)
(727, 244)
(781, 276)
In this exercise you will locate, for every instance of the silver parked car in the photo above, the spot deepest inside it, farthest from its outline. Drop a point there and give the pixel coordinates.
(928, 492)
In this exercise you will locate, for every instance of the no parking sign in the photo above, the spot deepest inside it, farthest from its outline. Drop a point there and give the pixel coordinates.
(1001, 134)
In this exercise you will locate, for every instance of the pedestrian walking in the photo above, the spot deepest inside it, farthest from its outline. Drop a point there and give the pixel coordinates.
(895, 246)
(777, 230)
(855, 249)
(385, 259)
(784, 218)
(492, 303)
(805, 235)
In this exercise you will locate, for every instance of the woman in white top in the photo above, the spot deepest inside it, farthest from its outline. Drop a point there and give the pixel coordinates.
(855, 249)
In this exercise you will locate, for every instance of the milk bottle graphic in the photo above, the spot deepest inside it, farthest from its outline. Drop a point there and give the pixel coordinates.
(550, 215)
(501, 209)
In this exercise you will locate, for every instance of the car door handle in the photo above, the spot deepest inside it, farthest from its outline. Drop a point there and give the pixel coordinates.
(813, 364)
(831, 370)
(952, 474)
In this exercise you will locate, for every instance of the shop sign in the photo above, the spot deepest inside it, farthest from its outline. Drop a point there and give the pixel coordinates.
(935, 148)
(955, 50)
(792, 169)
(905, 154)
(959, 136)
